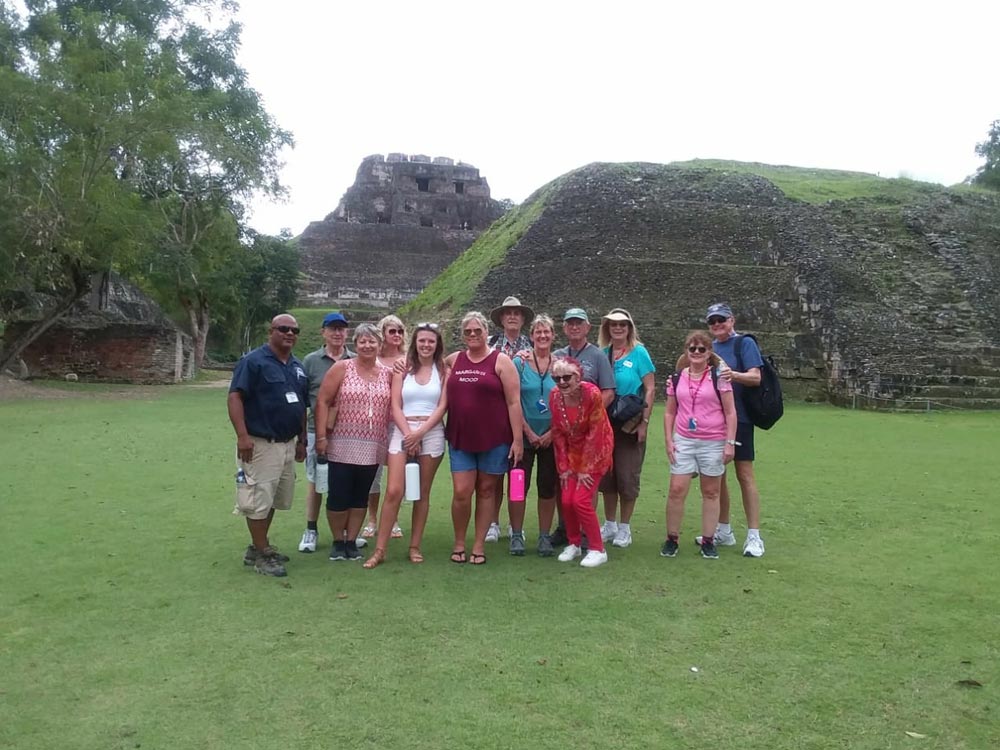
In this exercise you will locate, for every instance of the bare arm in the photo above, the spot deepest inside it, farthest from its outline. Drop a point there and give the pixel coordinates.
(511, 382)
(749, 378)
(244, 443)
(397, 403)
(607, 396)
(328, 391)
(729, 409)
(669, 416)
(649, 393)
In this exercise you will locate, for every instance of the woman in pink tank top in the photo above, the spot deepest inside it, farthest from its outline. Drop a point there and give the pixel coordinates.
(699, 424)
(483, 431)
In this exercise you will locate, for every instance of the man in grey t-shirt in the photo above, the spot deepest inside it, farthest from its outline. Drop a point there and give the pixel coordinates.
(597, 367)
(316, 365)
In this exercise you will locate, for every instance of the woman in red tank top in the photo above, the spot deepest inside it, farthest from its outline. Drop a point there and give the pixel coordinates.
(483, 431)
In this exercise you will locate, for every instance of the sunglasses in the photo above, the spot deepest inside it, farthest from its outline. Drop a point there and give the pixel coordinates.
(699, 349)
(286, 329)
(394, 331)
(563, 378)
(716, 321)
(472, 332)
(427, 326)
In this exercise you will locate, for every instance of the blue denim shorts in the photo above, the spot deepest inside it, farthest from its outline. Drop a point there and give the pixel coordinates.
(493, 461)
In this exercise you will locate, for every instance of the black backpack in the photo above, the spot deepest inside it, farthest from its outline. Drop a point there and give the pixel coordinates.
(763, 402)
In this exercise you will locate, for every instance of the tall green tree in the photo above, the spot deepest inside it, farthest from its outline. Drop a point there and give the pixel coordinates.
(120, 120)
(988, 175)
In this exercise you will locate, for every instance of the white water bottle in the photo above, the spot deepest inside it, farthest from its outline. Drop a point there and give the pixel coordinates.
(322, 475)
(412, 482)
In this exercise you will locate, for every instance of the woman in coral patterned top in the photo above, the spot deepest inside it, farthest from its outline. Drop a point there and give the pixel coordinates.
(584, 443)
(360, 389)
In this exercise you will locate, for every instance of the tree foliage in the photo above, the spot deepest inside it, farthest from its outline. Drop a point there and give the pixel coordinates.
(988, 175)
(127, 131)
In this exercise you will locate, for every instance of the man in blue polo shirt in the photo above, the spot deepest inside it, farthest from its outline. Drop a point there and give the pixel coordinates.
(267, 403)
(743, 362)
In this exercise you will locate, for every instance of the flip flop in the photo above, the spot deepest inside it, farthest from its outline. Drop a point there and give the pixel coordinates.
(415, 556)
(458, 556)
(476, 559)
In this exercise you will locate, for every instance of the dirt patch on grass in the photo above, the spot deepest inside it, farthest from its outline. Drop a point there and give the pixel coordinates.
(12, 389)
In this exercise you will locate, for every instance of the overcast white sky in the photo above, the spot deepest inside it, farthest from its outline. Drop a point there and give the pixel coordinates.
(527, 91)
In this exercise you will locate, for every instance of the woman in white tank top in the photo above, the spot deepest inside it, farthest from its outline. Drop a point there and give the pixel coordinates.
(419, 403)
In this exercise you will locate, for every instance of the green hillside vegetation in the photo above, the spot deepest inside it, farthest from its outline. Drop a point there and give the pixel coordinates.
(451, 292)
(822, 185)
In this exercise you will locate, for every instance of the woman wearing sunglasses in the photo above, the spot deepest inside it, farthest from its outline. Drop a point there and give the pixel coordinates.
(634, 376)
(699, 425)
(391, 351)
(418, 405)
(483, 431)
(535, 369)
(360, 388)
(583, 441)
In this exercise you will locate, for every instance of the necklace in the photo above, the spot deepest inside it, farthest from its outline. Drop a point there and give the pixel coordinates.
(565, 417)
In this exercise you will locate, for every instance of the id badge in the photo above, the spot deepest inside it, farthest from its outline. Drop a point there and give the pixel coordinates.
(292, 397)
(692, 424)
(543, 408)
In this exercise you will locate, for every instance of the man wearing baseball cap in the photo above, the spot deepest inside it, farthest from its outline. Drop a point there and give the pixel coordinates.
(316, 364)
(738, 351)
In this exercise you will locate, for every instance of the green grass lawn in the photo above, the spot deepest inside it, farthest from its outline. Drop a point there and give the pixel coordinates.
(128, 619)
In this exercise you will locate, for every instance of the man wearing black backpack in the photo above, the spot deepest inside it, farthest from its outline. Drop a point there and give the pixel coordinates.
(744, 361)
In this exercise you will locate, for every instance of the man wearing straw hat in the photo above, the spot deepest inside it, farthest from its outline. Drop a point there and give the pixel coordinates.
(510, 318)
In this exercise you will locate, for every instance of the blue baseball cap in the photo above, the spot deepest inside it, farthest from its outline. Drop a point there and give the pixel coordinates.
(578, 313)
(719, 310)
(334, 319)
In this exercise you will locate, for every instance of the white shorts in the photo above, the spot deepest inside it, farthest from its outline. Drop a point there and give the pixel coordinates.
(431, 445)
(698, 456)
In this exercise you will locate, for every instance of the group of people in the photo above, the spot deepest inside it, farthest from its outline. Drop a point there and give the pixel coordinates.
(576, 418)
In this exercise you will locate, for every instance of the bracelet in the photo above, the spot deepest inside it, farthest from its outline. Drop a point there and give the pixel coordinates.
(731, 442)
(645, 420)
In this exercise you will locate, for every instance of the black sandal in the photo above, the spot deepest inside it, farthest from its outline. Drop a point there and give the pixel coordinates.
(476, 559)
(458, 556)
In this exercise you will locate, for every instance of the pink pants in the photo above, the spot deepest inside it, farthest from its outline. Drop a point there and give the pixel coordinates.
(579, 514)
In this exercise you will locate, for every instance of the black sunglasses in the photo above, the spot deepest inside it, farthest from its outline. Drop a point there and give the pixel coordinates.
(699, 349)
(398, 331)
(563, 378)
(287, 329)
(716, 321)
(427, 326)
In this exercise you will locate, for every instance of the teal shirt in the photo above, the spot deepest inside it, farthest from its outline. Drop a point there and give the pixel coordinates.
(631, 369)
(535, 388)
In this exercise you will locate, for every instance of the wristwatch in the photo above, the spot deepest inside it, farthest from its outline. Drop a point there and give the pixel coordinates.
(730, 442)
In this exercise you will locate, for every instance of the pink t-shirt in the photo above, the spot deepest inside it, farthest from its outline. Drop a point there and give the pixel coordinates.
(696, 400)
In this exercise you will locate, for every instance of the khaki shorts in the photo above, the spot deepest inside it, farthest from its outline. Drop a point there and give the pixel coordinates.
(270, 479)
(623, 477)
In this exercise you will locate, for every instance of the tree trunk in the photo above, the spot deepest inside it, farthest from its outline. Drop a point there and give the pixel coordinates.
(81, 285)
(200, 322)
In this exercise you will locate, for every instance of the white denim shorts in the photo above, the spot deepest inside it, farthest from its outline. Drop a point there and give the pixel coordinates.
(698, 456)
(431, 445)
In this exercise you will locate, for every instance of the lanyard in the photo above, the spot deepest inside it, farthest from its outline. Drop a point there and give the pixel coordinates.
(541, 375)
(693, 392)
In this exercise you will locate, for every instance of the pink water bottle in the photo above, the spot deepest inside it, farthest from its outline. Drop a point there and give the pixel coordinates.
(517, 485)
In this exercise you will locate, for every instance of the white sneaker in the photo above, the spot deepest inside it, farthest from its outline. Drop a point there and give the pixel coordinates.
(510, 531)
(360, 542)
(623, 538)
(593, 559)
(726, 539)
(754, 547)
(720, 538)
(308, 543)
(493, 535)
(570, 553)
(608, 531)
